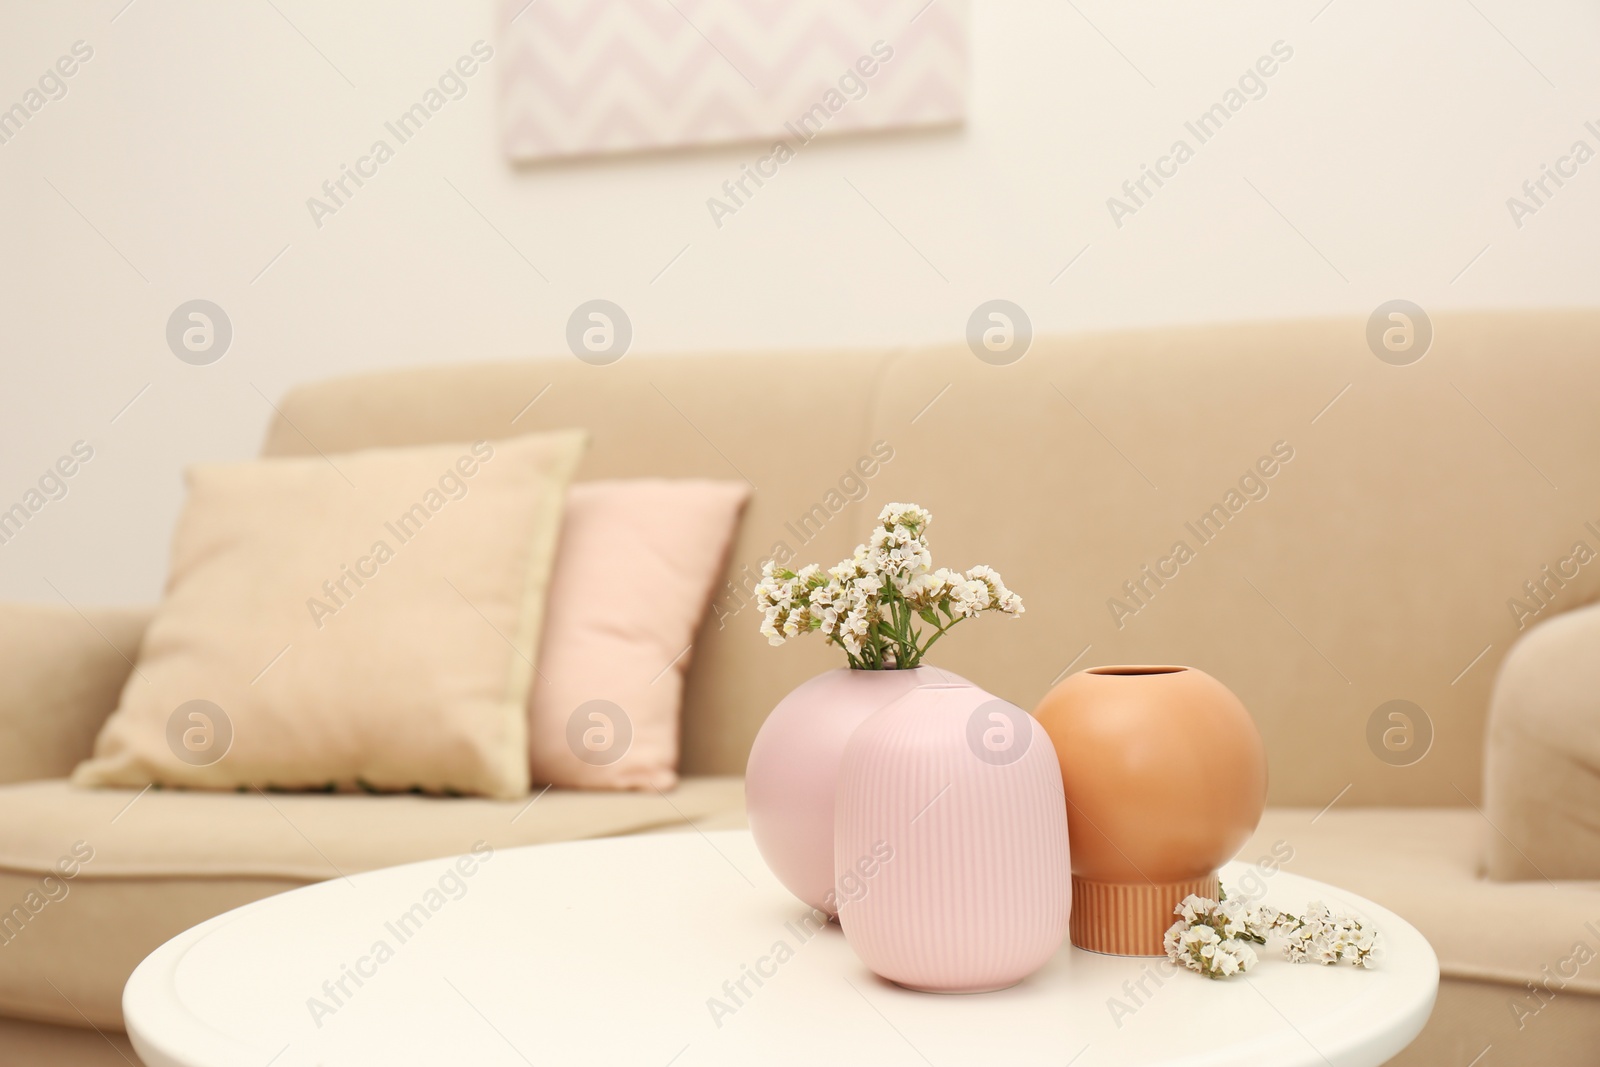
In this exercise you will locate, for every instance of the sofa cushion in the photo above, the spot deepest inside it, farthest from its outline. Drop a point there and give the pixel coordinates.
(92, 881)
(1425, 865)
(369, 621)
(631, 584)
(1542, 759)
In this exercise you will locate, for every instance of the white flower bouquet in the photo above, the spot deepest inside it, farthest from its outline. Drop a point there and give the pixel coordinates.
(871, 604)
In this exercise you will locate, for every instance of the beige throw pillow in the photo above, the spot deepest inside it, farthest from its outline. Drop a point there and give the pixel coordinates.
(361, 620)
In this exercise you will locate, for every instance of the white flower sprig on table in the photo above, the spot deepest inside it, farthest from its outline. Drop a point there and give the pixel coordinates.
(1323, 937)
(1215, 938)
(870, 604)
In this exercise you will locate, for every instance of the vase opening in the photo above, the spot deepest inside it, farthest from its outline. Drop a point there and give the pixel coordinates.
(1133, 670)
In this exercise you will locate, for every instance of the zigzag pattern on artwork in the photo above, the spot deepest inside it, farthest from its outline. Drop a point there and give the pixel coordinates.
(582, 77)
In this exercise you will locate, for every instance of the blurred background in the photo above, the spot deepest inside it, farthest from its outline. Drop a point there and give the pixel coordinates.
(178, 159)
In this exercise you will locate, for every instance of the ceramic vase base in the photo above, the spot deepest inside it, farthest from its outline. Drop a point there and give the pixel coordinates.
(954, 992)
(1130, 920)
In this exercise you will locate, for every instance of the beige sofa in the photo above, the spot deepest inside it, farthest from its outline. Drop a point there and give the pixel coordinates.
(1405, 507)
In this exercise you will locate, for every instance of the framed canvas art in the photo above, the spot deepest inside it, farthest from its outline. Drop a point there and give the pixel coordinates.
(588, 77)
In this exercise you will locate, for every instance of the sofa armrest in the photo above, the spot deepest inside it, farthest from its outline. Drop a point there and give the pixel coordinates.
(1542, 763)
(61, 674)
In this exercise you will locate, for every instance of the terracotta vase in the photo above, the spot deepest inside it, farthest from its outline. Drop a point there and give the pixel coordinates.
(951, 842)
(794, 768)
(1165, 778)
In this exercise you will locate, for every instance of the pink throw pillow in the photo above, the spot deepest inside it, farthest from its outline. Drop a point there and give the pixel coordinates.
(633, 577)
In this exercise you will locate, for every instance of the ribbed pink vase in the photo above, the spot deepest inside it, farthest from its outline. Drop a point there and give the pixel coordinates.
(950, 842)
(793, 770)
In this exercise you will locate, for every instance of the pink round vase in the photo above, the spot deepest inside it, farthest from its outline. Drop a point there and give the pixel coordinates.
(950, 842)
(794, 769)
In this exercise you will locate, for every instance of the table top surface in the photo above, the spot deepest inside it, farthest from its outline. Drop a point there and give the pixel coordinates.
(633, 950)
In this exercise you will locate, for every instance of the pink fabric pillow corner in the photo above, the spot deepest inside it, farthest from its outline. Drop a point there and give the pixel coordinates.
(633, 576)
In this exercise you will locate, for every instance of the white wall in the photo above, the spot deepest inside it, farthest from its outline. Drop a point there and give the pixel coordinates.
(192, 138)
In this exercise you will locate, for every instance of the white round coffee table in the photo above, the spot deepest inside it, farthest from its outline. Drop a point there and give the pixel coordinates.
(681, 949)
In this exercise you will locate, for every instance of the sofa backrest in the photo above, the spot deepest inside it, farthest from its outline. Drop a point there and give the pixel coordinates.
(1321, 530)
